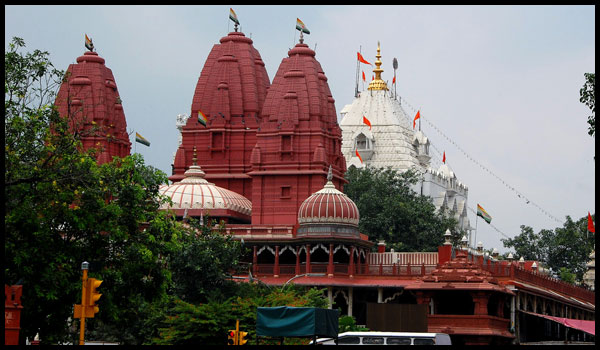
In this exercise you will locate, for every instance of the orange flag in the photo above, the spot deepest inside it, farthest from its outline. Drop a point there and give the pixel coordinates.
(416, 117)
(444, 160)
(364, 79)
(358, 155)
(361, 59)
(591, 227)
(366, 121)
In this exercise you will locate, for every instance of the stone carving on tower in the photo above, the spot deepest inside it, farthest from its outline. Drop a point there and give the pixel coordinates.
(376, 127)
(230, 92)
(90, 99)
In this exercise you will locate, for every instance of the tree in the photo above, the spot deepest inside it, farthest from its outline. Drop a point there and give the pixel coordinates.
(565, 249)
(587, 96)
(62, 208)
(207, 323)
(391, 211)
(203, 266)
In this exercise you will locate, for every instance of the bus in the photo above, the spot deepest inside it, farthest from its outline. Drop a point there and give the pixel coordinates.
(387, 338)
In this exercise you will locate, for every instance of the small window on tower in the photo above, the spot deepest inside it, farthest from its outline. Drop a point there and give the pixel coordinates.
(362, 142)
(286, 192)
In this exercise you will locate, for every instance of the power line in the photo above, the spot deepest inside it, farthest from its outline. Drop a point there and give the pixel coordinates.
(518, 193)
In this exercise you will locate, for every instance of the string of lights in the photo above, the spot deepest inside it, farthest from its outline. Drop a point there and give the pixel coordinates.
(518, 193)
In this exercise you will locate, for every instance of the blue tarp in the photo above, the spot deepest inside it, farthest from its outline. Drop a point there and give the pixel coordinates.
(287, 321)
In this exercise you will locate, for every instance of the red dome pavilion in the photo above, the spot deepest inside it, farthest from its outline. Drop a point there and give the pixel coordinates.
(328, 206)
(230, 91)
(90, 99)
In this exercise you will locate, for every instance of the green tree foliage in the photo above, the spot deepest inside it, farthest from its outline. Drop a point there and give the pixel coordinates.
(391, 211)
(61, 209)
(588, 96)
(204, 264)
(564, 249)
(207, 323)
(348, 324)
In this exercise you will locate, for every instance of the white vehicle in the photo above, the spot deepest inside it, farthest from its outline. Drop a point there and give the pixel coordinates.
(387, 338)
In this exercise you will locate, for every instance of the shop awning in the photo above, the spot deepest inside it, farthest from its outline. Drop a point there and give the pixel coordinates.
(582, 325)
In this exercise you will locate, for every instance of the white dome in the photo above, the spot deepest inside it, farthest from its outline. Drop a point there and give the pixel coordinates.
(194, 192)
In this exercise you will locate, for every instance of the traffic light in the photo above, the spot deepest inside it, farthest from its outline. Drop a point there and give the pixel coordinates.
(242, 337)
(232, 337)
(92, 297)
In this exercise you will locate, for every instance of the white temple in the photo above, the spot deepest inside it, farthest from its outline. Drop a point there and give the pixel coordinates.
(391, 141)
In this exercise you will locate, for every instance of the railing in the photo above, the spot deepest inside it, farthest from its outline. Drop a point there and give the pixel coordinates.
(363, 270)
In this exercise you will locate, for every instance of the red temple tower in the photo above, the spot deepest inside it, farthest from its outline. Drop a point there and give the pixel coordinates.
(297, 141)
(230, 91)
(90, 99)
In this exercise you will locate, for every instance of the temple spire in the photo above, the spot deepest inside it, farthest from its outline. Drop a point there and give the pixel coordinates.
(378, 83)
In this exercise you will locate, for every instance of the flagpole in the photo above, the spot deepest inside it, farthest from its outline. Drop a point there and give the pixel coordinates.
(357, 69)
(420, 120)
(476, 217)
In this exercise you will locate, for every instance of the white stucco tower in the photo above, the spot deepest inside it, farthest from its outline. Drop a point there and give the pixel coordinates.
(391, 141)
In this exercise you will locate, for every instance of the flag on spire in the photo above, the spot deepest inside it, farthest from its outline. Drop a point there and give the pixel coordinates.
(364, 78)
(233, 16)
(202, 118)
(358, 155)
(139, 138)
(366, 121)
(301, 27)
(481, 212)
(591, 227)
(361, 59)
(394, 80)
(444, 160)
(88, 43)
(416, 117)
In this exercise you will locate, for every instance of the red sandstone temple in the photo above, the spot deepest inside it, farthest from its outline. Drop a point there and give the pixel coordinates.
(269, 163)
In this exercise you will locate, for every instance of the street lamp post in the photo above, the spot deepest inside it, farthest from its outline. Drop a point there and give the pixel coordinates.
(304, 274)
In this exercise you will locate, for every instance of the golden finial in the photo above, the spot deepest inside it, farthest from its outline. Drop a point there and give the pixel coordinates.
(378, 83)
(194, 159)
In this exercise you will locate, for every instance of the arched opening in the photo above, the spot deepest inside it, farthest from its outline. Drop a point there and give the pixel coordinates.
(286, 256)
(265, 256)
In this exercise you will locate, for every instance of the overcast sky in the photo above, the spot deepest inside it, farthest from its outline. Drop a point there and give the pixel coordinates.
(499, 83)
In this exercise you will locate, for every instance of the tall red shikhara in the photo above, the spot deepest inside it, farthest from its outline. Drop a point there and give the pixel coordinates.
(230, 91)
(297, 141)
(89, 98)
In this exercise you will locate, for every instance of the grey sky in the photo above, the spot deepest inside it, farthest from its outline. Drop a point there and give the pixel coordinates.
(501, 82)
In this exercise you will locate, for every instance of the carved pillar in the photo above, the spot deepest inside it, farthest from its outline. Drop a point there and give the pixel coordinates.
(424, 298)
(307, 258)
(330, 264)
(481, 301)
(379, 295)
(298, 261)
(276, 267)
(358, 265)
(350, 300)
(351, 265)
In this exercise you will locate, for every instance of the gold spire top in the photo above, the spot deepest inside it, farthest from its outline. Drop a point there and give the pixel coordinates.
(378, 83)
(195, 158)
